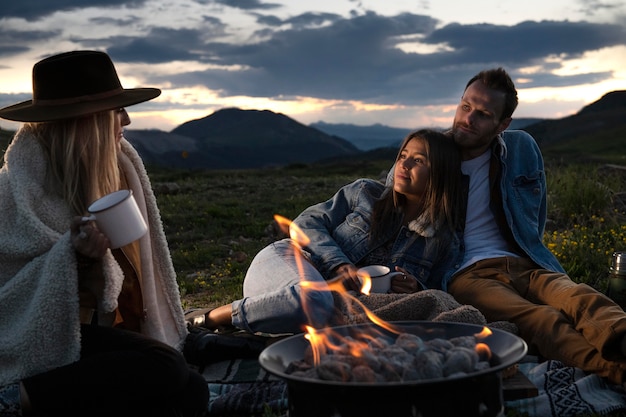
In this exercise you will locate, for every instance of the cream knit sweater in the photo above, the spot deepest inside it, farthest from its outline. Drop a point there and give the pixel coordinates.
(39, 311)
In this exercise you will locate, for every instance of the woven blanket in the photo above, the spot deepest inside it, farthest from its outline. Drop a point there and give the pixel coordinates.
(567, 392)
(243, 388)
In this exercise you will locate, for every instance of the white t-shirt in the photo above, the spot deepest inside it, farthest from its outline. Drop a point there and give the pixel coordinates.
(482, 236)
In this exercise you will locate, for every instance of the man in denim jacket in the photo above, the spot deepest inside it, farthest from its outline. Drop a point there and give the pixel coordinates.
(507, 271)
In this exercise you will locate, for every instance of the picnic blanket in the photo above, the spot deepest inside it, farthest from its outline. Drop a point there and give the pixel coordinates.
(241, 387)
(565, 391)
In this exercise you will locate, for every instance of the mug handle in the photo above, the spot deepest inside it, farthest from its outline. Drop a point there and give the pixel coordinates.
(89, 218)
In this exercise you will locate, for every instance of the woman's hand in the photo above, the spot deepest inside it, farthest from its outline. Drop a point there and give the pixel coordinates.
(87, 239)
(405, 283)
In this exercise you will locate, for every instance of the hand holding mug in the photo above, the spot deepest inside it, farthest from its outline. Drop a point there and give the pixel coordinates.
(404, 283)
(87, 239)
(380, 277)
(118, 217)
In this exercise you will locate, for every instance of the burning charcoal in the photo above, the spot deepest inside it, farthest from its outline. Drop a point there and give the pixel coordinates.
(397, 353)
(348, 359)
(308, 373)
(344, 348)
(407, 358)
(459, 360)
(440, 345)
(371, 360)
(429, 356)
(334, 371)
(363, 373)
(390, 371)
(409, 342)
(398, 362)
(298, 366)
(411, 374)
(471, 352)
(482, 365)
(464, 341)
(308, 355)
(428, 364)
(379, 343)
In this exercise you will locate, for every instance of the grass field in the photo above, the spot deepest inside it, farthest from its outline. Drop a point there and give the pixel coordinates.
(219, 219)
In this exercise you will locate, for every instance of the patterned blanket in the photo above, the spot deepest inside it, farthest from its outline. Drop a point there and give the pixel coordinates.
(567, 392)
(243, 388)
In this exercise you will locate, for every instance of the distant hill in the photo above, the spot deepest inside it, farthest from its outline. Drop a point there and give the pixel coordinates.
(523, 122)
(235, 138)
(607, 113)
(380, 136)
(365, 137)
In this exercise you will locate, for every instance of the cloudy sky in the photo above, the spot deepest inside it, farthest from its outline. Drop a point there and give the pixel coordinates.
(394, 62)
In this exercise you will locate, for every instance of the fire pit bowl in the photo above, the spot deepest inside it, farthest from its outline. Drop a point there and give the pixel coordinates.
(475, 394)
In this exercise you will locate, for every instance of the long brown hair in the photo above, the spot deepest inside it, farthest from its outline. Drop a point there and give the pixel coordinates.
(442, 203)
(83, 157)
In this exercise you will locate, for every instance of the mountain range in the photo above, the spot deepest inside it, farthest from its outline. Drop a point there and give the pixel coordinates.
(232, 138)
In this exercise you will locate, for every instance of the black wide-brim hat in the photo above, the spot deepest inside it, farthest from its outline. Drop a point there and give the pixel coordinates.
(74, 84)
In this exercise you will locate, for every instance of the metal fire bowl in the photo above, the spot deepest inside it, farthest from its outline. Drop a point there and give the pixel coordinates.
(475, 394)
(507, 349)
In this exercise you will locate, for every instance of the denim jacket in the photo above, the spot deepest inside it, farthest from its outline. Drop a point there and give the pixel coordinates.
(339, 228)
(524, 194)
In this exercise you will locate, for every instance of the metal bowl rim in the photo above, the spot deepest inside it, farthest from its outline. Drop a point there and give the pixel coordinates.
(520, 352)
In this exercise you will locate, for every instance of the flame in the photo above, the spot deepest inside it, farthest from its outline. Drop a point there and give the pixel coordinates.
(295, 233)
(486, 332)
(482, 348)
(366, 283)
(326, 340)
(483, 351)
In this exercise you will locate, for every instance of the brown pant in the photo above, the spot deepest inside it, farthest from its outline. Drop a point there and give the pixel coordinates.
(558, 319)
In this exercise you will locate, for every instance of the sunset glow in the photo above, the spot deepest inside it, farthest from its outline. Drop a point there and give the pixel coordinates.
(401, 64)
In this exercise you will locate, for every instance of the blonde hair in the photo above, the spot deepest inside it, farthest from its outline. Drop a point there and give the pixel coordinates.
(83, 157)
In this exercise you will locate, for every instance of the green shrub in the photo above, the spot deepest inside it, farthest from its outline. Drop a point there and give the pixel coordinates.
(585, 228)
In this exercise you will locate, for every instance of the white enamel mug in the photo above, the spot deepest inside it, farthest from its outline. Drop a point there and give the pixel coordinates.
(118, 218)
(380, 276)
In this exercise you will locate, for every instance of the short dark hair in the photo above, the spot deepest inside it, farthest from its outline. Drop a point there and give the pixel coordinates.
(498, 79)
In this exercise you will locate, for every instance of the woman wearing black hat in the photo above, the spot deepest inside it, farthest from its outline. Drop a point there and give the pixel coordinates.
(84, 329)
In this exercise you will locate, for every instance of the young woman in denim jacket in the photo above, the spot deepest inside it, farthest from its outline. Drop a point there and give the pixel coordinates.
(409, 226)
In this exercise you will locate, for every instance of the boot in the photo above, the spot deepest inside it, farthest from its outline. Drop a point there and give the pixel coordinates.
(203, 347)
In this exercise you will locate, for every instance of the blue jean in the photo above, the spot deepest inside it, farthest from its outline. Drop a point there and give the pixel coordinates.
(273, 297)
